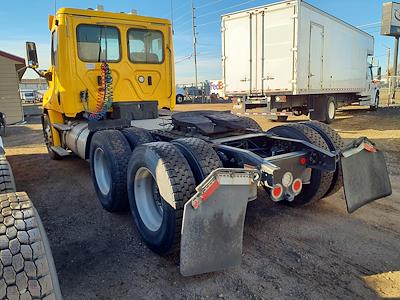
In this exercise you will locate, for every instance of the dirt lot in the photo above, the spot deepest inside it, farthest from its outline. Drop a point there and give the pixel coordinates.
(312, 252)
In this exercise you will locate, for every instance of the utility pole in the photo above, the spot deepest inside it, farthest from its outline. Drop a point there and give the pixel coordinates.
(388, 72)
(194, 47)
(388, 61)
(396, 54)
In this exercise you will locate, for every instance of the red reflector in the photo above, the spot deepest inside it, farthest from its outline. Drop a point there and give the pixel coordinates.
(277, 191)
(303, 161)
(210, 190)
(297, 185)
(369, 148)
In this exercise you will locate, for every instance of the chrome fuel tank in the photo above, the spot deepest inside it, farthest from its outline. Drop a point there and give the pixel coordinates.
(76, 138)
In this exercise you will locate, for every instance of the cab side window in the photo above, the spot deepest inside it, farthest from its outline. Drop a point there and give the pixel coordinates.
(54, 46)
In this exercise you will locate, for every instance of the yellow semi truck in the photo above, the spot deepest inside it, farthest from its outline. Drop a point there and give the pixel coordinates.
(186, 177)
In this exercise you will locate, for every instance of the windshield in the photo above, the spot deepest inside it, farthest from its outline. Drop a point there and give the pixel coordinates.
(98, 43)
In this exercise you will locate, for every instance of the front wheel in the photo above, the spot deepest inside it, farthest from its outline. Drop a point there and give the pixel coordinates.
(48, 137)
(179, 99)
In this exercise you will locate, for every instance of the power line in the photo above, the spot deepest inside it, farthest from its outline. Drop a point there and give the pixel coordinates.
(208, 23)
(226, 8)
(369, 24)
(209, 3)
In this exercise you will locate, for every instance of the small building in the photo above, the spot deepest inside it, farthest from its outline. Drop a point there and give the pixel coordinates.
(11, 72)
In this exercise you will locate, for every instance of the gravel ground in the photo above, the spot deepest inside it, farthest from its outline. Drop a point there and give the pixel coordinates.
(314, 252)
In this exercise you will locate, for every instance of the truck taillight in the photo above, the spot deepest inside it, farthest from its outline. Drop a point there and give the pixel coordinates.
(277, 191)
(303, 160)
(297, 186)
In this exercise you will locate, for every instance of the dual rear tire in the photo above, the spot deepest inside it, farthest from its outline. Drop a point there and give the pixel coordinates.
(162, 177)
(153, 179)
(322, 184)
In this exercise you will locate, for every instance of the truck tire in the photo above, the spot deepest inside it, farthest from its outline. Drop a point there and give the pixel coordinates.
(282, 118)
(251, 123)
(200, 155)
(179, 99)
(320, 181)
(26, 263)
(157, 169)
(330, 111)
(109, 157)
(7, 182)
(48, 137)
(137, 136)
(335, 142)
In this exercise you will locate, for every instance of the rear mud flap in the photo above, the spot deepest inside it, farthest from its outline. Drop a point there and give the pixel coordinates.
(365, 176)
(213, 220)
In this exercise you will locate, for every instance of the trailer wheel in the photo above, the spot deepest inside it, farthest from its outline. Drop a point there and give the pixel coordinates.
(320, 181)
(26, 263)
(160, 182)
(201, 157)
(48, 137)
(330, 110)
(335, 142)
(137, 136)
(251, 123)
(7, 182)
(109, 157)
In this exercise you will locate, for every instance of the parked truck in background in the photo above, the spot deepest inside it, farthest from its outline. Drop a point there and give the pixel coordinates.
(293, 58)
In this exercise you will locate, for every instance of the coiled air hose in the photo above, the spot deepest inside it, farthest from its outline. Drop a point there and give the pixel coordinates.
(104, 95)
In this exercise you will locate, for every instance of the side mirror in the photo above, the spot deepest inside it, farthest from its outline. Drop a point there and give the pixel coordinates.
(31, 55)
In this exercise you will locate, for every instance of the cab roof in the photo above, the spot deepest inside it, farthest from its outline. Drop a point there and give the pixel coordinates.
(111, 15)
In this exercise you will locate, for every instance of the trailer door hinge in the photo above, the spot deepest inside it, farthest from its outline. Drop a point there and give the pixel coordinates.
(294, 49)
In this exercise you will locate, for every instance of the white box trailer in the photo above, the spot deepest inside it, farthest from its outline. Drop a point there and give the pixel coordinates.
(291, 57)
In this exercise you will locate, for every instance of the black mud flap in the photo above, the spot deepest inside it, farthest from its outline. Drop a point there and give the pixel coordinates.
(365, 176)
(213, 221)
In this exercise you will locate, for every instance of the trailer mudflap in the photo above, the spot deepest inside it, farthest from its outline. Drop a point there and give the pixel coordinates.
(365, 176)
(213, 221)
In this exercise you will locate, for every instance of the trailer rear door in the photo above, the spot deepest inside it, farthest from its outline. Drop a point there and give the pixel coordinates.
(236, 56)
(277, 50)
(259, 50)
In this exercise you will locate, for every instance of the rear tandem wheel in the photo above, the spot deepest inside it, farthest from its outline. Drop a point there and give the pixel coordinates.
(160, 182)
(320, 181)
(109, 157)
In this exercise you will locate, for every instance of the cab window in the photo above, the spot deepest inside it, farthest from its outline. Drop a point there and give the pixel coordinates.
(146, 46)
(54, 42)
(98, 43)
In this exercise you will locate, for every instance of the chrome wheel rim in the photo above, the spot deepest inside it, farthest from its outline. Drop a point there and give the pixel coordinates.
(102, 171)
(331, 110)
(148, 199)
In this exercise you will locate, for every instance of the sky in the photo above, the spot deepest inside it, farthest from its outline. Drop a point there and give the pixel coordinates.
(27, 20)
